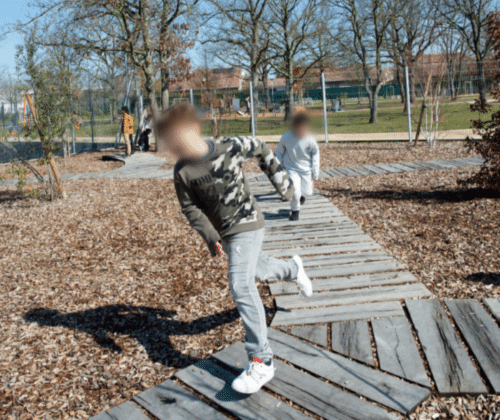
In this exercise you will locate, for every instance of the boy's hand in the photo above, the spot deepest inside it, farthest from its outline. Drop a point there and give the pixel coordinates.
(218, 250)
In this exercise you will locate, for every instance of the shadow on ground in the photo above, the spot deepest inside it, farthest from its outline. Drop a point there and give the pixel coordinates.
(151, 327)
(485, 278)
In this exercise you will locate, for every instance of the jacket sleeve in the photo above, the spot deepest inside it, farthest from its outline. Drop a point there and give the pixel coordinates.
(280, 150)
(315, 160)
(274, 170)
(197, 219)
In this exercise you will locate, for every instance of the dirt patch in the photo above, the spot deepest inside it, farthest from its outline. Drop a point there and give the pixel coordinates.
(104, 295)
(76, 164)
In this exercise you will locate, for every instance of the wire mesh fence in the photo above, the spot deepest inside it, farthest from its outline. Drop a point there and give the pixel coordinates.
(341, 108)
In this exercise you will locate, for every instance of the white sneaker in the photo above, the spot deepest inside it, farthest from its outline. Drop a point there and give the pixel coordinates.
(303, 281)
(254, 377)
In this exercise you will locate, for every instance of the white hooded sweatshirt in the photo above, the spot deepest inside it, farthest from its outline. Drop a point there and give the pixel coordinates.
(299, 155)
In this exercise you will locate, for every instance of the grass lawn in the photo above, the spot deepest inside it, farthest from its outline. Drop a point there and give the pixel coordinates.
(354, 119)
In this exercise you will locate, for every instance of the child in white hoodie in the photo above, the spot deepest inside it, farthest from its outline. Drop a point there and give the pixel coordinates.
(299, 154)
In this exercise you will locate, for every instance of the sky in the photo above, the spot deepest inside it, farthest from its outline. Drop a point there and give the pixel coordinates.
(11, 11)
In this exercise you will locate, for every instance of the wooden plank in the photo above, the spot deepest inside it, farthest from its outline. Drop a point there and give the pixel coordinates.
(334, 173)
(354, 269)
(313, 394)
(214, 382)
(311, 218)
(442, 163)
(337, 313)
(315, 333)
(493, 305)
(482, 336)
(291, 224)
(375, 169)
(323, 174)
(416, 166)
(352, 339)
(431, 166)
(453, 371)
(324, 238)
(387, 167)
(350, 282)
(347, 171)
(325, 248)
(126, 411)
(316, 229)
(100, 416)
(358, 257)
(397, 351)
(361, 170)
(403, 167)
(348, 297)
(363, 380)
(169, 401)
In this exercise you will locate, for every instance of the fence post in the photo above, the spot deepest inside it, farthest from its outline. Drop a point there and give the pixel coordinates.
(325, 114)
(191, 97)
(408, 102)
(91, 114)
(252, 110)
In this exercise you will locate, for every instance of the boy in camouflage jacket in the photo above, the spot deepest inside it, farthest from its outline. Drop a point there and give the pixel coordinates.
(216, 199)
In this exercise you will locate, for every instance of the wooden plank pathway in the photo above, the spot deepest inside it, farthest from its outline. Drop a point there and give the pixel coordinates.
(352, 339)
(147, 166)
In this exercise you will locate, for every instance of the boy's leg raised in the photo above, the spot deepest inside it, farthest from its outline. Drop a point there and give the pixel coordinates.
(243, 251)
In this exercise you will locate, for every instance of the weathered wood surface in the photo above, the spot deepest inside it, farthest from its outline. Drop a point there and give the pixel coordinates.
(397, 351)
(352, 296)
(337, 313)
(388, 168)
(329, 246)
(347, 171)
(342, 258)
(214, 382)
(313, 222)
(334, 173)
(280, 217)
(309, 392)
(375, 169)
(125, 411)
(370, 383)
(451, 367)
(361, 170)
(169, 401)
(325, 238)
(315, 333)
(493, 305)
(351, 282)
(481, 334)
(354, 269)
(306, 231)
(352, 339)
(403, 167)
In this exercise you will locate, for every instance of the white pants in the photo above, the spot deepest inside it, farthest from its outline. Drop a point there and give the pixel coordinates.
(302, 183)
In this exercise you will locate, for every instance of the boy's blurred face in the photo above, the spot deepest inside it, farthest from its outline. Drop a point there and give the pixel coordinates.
(301, 130)
(185, 141)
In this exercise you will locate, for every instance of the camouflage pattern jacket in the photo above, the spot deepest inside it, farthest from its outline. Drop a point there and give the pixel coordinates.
(214, 194)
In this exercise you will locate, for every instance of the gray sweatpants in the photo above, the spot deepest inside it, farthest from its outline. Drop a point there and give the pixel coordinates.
(247, 262)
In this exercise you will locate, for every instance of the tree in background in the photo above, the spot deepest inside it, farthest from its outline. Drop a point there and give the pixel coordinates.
(292, 24)
(413, 28)
(152, 33)
(364, 35)
(489, 148)
(49, 78)
(239, 39)
(469, 18)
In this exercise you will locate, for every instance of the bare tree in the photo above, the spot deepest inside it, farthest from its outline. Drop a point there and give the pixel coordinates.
(365, 32)
(469, 18)
(292, 24)
(239, 38)
(413, 28)
(152, 33)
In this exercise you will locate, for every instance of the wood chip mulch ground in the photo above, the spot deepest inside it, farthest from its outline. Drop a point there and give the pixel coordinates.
(103, 295)
(75, 164)
(448, 237)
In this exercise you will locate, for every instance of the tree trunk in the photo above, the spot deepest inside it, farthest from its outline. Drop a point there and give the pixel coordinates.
(289, 96)
(481, 84)
(374, 105)
(266, 89)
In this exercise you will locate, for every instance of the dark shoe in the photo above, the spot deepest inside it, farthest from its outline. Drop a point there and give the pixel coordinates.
(294, 216)
(302, 200)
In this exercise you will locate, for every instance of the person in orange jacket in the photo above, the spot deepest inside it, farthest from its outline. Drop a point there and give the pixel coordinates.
(127, 129)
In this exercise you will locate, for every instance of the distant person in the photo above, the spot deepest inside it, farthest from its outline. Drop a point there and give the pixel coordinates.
(146, 130)
(299, 154)
(247, 103)
(127, 129)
